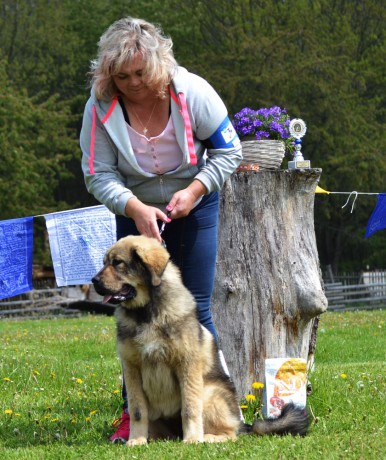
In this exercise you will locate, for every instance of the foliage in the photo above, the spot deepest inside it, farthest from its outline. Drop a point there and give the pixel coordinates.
(321, 60)
(36, 145)
(60, 387)
(265, 123)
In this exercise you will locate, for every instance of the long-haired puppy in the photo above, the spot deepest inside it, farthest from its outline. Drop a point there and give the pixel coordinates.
(176, 385)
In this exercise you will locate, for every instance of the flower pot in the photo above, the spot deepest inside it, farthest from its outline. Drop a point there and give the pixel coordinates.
(267, 153)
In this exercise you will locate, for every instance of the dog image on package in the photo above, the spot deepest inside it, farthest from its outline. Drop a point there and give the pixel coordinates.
(285, 382)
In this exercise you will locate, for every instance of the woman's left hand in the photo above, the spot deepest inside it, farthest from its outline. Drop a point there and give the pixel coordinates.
(183, 201)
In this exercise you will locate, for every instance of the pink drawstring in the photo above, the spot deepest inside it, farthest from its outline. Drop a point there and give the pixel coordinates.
(111, 108)
(92, 141)
(188, 127)
(174, 97)
(93, 128)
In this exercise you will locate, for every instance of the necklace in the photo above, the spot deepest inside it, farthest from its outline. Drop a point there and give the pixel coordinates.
(144, 126)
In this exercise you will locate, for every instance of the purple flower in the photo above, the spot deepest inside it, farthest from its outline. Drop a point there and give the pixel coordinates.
(262, 135)
(275, 126)
(264, 123)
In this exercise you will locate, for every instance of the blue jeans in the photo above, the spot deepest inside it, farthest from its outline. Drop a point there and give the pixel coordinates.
(192, 244)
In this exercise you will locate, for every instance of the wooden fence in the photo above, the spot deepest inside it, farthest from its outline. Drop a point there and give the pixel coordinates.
(39, 303)
(48, 302)
(362, 296)
(363, 277)
(368, 291)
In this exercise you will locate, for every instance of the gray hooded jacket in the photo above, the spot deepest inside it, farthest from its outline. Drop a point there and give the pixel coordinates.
(210, 153)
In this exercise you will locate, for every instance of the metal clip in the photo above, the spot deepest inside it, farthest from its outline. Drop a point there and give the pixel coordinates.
(162, 228)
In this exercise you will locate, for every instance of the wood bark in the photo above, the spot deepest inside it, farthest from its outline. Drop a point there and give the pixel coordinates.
(268, 286)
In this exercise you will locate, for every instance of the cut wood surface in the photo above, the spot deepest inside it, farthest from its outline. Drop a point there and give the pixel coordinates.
(268, 284)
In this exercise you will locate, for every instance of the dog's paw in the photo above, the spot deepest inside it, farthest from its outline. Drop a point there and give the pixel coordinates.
(219, 438)
(136, 442)
(192, 440)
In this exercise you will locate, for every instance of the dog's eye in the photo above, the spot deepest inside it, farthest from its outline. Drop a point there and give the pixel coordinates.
(117, 262)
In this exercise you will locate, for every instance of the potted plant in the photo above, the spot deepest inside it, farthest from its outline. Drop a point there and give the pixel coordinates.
(265, 135)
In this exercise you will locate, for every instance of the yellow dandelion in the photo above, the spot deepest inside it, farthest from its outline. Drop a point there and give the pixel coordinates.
(79, 381)
(93, 412)
(7, 379)
(17, 414)
(116, 392)
(88, 419)
(250, 398)
(243, 406)
(8, 411)
(343, 376)
(257, 385)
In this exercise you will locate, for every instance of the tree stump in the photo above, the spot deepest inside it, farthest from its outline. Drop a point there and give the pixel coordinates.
(268, 287)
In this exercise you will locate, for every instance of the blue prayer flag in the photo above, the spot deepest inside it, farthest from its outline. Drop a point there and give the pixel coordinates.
(377, 219)
(16, 256)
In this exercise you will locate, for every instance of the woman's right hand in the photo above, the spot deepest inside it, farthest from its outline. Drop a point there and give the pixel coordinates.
(145, 218)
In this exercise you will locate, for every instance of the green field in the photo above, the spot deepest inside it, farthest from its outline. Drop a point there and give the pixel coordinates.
(60, 391)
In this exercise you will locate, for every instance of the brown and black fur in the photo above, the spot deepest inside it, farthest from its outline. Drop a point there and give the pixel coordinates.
(175, 383)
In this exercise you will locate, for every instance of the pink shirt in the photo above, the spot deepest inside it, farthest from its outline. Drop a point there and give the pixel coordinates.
(159, 154)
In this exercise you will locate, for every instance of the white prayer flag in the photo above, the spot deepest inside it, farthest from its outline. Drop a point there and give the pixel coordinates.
(78, 240)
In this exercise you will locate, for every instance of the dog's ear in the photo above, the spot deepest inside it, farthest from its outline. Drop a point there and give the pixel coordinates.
(155, 260)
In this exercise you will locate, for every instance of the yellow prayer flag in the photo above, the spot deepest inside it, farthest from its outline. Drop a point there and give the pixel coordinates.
(321, 190)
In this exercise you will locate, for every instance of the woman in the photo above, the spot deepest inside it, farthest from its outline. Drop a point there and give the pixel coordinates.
(157, 147)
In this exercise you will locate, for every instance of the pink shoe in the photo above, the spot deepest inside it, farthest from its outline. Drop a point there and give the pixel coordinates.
(123, 429)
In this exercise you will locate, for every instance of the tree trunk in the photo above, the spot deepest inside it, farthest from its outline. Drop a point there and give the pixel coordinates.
(268, 286)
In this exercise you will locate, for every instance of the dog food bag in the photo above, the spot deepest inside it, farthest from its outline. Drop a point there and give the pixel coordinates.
(285, 381)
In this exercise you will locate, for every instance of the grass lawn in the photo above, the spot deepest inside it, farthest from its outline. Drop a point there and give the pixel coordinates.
(60, 391)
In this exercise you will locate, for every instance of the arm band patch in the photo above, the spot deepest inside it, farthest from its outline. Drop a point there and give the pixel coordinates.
(224, 137)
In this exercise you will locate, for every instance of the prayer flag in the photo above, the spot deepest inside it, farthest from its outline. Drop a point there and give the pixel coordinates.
(78, 241)
(377, 219)
(321, 190)
(16, 255)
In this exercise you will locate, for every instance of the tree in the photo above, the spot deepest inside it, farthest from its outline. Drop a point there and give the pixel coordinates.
(322, 61)
(268, 285)
(35, 147)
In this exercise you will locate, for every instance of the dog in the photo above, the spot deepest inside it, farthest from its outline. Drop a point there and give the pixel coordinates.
(175, 382)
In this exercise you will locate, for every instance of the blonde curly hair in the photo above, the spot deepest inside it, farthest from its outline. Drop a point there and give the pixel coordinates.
(120, 43)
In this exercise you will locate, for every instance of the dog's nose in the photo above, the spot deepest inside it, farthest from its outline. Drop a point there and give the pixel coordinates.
(95, 280)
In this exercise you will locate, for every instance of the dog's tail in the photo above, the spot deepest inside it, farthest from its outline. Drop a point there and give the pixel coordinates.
(292, 420)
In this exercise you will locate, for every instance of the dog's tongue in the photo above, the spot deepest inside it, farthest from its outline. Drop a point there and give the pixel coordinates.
(106, 298)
